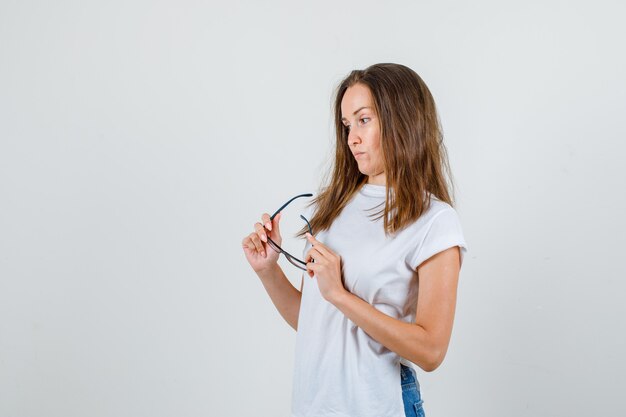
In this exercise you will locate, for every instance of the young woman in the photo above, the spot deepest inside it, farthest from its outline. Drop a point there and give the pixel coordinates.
(383, 259)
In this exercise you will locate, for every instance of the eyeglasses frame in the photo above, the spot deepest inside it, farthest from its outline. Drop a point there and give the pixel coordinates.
(292, 259)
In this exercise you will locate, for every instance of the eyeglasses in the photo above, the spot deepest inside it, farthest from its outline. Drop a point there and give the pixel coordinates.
(292, 259)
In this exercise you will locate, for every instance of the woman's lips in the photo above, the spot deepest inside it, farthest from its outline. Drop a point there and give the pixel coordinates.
(358, 154)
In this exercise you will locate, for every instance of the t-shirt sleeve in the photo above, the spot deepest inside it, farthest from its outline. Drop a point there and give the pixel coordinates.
(443, 232)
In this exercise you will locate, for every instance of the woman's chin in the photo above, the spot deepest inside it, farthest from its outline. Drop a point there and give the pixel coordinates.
(364, 169)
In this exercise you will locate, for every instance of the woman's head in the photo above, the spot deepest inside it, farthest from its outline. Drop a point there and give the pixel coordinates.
(400, 134)
(362, 129)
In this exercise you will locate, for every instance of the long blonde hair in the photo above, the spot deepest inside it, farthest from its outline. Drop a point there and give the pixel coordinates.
(415, 157)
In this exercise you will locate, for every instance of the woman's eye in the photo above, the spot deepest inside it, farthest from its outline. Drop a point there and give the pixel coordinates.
(362, 120)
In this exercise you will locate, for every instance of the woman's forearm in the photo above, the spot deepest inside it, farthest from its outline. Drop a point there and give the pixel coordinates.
(408, 340)
(283, 294)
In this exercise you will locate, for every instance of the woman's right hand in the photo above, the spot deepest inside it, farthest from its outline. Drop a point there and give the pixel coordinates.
(258, 252)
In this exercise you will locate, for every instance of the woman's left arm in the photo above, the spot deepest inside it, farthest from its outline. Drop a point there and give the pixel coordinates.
(424, 342)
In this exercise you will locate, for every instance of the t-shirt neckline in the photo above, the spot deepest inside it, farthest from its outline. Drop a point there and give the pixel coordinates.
(373, 190)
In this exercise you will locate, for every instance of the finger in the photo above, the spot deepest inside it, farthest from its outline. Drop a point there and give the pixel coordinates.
(319, 246)
(258, 227)
(313, 254)
(312, 239)
(276, 224)
(265, 220)
(258, 245)
(310, 269)
(247, 243)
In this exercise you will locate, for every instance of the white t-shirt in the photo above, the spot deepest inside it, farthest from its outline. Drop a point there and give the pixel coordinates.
(340, 371)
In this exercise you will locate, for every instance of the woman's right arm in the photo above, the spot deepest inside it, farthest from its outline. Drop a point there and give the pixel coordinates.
(284, 295)
(264, 261)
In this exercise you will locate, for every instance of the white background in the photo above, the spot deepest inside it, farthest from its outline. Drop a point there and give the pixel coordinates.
(141, 140)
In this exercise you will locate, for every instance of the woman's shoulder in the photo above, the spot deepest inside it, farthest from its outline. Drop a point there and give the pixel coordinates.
(437, 205)
(435, 209)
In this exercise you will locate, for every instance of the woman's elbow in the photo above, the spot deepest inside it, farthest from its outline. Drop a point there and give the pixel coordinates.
(430, 351)
(431, 366)
(434, 360)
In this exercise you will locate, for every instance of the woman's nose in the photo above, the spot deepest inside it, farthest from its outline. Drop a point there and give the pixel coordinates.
(353, 137)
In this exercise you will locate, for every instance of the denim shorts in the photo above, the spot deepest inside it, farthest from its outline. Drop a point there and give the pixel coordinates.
(411, 392)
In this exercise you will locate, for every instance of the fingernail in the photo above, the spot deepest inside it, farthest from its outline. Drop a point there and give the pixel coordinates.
(268, 225)
(264, 238)
(263, 253)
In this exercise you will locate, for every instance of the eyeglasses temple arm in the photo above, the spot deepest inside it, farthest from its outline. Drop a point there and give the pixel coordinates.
(287, 203)
(307, 223)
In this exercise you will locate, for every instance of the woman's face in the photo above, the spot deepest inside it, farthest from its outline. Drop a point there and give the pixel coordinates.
(361, 120)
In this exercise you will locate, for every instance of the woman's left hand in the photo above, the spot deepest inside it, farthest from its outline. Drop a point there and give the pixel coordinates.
(327, 269)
